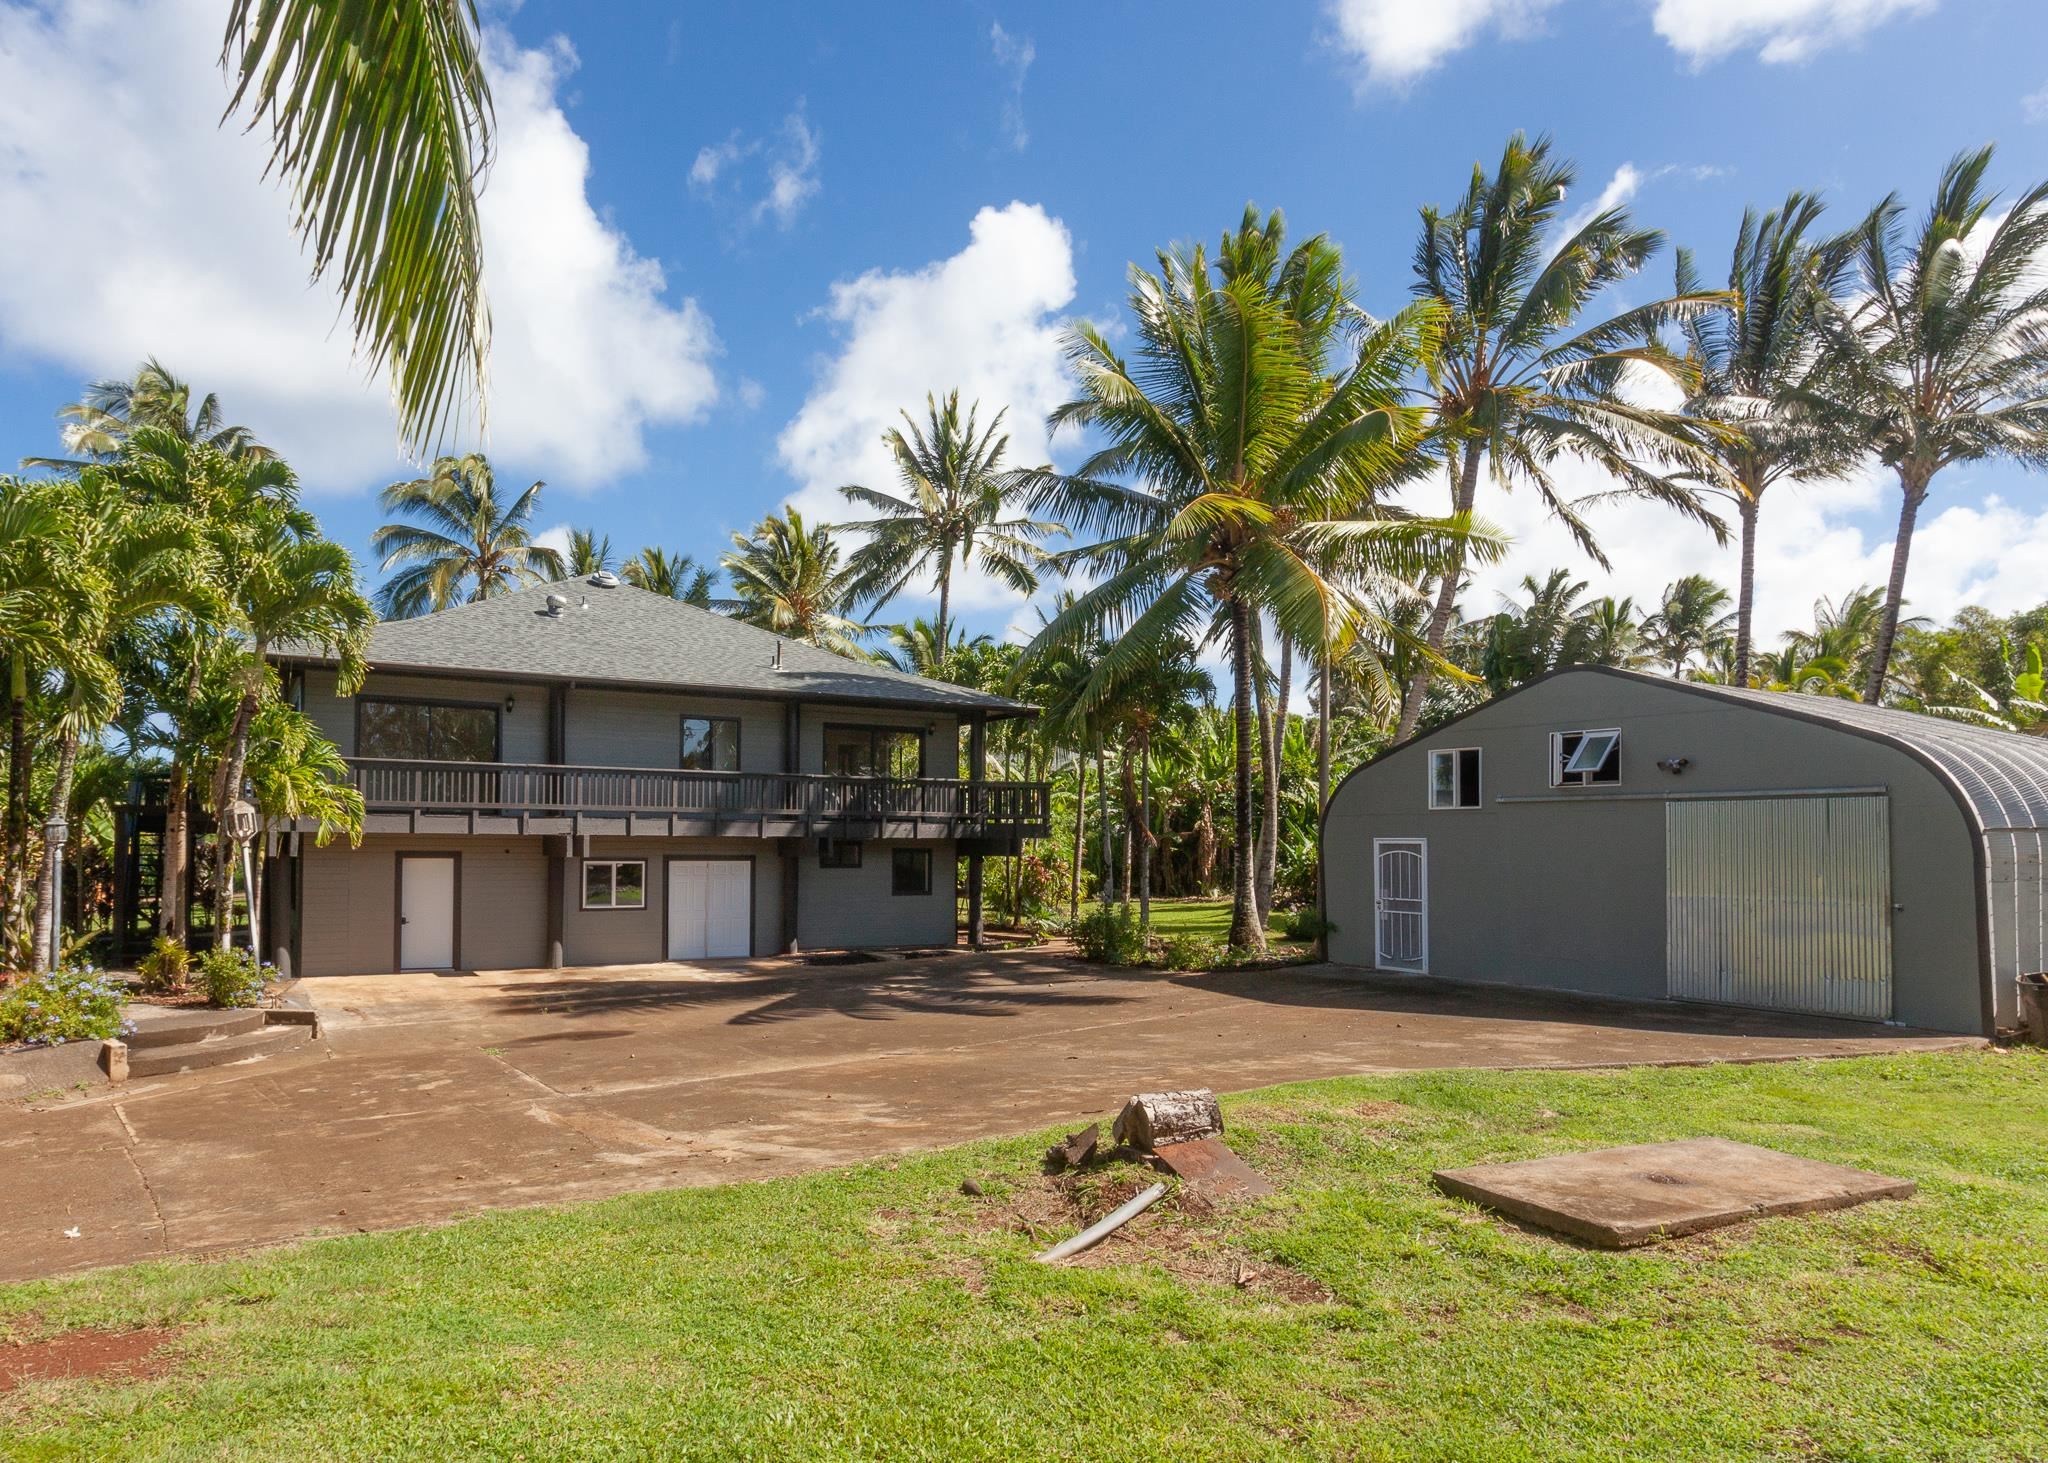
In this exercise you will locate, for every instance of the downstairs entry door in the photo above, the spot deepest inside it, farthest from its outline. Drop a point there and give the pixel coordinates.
(1400, 901)
(426, 911)
(709, 908)
(1784, 903)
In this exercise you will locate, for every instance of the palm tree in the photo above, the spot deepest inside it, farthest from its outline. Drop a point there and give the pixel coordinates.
(1943, 356)
(1693, 616)
(1156, 696)
(674, 576)
(1760, 368)
(955, 508)
(1521, 642)
(1844, 632)
(789, 578)
(1236, 477)
(916, 648)
(100, 422)
(380, 119)
(1605, 632)
(465, 536)
(1523, 381)
(588, 553)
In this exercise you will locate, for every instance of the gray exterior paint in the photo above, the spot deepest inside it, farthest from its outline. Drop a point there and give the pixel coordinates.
(1568, 890)
(350, 917)
(635, 936)
(644, 729)
(522, 731)
(854, 907)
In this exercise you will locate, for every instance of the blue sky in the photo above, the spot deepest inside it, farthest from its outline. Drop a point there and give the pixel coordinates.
(727, 243)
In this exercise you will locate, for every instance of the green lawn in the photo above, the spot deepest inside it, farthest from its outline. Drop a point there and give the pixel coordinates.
(879, 1313)
(1209, 917)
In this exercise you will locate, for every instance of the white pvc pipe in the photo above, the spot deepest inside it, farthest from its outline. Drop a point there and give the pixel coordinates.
(1103, 1228)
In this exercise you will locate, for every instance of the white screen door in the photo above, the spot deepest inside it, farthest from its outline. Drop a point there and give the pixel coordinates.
(709, 908)
(1401, 903)
(426, 912)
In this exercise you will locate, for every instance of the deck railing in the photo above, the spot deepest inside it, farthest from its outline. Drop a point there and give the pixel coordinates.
(548, 790)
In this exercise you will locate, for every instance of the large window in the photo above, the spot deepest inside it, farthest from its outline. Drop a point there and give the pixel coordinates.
(910, 871)
(615, 884)
(1454, 778)
(437, 731)
(1583, 758)
(711, 743)
(874, 751)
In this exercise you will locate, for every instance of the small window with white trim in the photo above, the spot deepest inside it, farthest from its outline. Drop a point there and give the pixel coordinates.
(1454, 778)
(615, 884)
(1584, 758)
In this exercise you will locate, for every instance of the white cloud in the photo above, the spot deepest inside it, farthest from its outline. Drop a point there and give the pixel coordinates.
(1778, 30)
(1014, 56)
(1619, 190)
(2034, 106)
(984, 320)
(136, 226)
(1398, 40)
(791, 155)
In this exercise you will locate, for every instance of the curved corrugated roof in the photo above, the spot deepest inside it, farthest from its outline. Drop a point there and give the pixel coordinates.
(2003, 775)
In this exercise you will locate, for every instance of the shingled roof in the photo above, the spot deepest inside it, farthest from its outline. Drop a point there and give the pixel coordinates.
(616, 635)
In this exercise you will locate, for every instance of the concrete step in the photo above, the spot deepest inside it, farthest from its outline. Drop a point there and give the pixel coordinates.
(168, 1026)
(216, 1051)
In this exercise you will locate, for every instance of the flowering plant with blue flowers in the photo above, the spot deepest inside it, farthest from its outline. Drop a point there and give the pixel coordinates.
(73, 1004)
(234, 977)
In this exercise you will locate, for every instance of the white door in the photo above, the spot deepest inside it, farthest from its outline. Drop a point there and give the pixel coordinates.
(426, 912)
(708, 908)
(1780, 902)
(1401, 903)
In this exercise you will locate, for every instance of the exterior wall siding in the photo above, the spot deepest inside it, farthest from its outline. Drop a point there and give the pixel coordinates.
(854, 908)
(349, 926)
(631, 729)
(635, 936)
(522, 731)
(941, 742)
(1571, 895)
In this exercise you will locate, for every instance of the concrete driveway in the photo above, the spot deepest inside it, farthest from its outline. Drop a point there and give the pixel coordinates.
(436, 1097)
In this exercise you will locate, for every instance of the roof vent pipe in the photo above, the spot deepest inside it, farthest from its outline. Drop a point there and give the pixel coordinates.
(777, 662)
(556, 604)
(605, 579)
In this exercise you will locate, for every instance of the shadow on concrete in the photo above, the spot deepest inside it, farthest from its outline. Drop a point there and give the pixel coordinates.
(876, 993)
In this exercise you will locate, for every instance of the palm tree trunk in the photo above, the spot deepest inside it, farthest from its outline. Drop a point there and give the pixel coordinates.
(174, 904)
(1464, 489)
(1274, 746)
(1745, 587)
(1245, 930)
(18, 778)
(48, 916)
(1912, 494)
(1130, 811)
(1323, 735)
(945, 601)
(1107, 892)
(1145, 833)
(227, 787)
(1080, 837)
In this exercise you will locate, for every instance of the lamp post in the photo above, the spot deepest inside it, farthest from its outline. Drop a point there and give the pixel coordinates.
(55, 833)
(240, 825)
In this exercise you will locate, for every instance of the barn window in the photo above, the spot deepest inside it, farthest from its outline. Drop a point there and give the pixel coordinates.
(1582, 758)
(1454, 778)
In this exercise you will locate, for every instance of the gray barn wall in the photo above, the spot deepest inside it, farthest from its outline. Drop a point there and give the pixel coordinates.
(853, 907)
(1572, 896)
(349, 926)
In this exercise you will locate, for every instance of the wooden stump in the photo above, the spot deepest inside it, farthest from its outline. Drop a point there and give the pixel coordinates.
(1152, 1119)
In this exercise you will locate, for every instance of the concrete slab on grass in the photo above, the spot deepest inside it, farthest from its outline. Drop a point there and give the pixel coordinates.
(1618, 1197)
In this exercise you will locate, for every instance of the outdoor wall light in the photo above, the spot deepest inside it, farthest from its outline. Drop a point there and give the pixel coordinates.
(1675, 765)
(508, 704)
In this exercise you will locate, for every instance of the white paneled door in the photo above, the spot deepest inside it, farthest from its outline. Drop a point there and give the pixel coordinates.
(709, 908)
(426, 912)
(1400, 899)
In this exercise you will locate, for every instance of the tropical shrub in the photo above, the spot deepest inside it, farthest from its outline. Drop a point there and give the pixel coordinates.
(1303, 924)
(165, 967)
(72, 1004)
(1192, 952)
(1111, 937)
(233, 977)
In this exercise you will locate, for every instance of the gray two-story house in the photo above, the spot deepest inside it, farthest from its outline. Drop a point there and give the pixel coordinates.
(585, 773)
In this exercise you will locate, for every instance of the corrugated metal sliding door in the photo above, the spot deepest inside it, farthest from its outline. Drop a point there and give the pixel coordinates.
(1780, 902)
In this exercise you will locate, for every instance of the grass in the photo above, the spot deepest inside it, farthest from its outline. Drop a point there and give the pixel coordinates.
(1206, 917)
(877, 1312)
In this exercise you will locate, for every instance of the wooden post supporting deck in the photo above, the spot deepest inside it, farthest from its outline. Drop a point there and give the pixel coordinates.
(977, 764)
